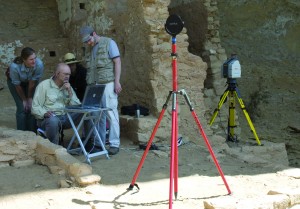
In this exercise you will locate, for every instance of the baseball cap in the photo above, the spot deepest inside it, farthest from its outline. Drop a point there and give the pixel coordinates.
(85, 33)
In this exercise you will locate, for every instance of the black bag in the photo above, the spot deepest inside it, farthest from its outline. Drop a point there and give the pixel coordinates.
(130, 110)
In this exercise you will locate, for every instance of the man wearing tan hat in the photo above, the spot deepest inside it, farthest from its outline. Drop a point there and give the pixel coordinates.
(104, 67)
(78, 75)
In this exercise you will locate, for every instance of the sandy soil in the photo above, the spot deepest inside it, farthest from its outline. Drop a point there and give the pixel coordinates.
(34, 187)
(199, 180)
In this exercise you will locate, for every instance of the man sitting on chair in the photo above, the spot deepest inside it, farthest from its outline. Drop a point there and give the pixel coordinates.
(50, 98)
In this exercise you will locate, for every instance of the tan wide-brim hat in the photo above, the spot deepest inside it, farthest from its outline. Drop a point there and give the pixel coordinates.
(70, 58)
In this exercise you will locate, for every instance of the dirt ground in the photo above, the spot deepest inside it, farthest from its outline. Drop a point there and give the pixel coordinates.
(199, 180)
(34, 187)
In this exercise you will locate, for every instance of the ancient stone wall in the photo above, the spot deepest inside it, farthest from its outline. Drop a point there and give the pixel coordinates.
(202, 23)
(35, 25)
(145, 52)
(262, 33)
(144, 45)
(265, 35)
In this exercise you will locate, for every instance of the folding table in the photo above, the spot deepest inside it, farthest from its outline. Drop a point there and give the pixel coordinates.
(88, 115)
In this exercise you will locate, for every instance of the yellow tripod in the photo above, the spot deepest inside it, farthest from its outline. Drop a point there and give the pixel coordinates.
(232, 91)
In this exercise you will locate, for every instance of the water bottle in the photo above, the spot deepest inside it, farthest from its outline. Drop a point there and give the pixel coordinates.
(137, 111)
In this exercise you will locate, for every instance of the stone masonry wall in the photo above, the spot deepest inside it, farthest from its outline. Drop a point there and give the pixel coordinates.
(268, 50)
(146, 55)
(36, 26)
(265, 36)
(39, 30)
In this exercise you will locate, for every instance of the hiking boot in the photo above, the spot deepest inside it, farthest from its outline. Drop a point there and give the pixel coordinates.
(96, 149)
(88, 146)
(113, 150)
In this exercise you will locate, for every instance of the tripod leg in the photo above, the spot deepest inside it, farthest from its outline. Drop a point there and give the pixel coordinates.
(231, 120)
(174, 152)
(247, 118)
(149, 143)
(219, 107)
(205, 139)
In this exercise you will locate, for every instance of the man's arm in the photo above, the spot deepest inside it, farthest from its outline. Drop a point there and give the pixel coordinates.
(114, 54)
(20, 92)
(117, 70)
(71, 97)
(13, 71)
(31, 89)
(38, 102)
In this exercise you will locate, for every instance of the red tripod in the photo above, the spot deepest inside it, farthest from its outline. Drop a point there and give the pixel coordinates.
(174, 134)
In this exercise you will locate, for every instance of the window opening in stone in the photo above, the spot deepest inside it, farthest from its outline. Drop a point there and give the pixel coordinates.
(52, 53)
(82, 5)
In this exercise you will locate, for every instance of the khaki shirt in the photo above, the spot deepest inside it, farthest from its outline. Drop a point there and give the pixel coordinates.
(49, 97)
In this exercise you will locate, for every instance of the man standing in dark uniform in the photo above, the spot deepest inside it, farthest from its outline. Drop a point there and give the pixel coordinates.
(78, 75)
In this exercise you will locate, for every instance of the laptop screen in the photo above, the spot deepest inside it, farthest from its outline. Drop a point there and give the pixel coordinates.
(93, 95)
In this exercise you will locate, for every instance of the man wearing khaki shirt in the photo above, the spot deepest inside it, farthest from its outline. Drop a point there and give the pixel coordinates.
(50, 98)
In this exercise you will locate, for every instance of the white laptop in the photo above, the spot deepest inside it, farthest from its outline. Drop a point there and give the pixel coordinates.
(92, 97)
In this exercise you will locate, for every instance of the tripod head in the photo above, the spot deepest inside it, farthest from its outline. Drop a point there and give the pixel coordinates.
(174, 25)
